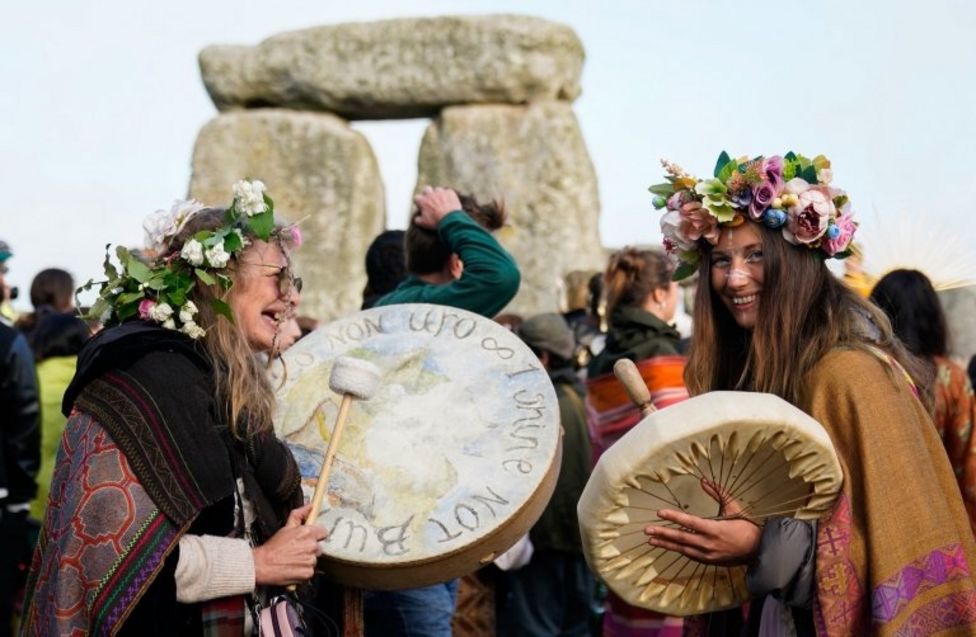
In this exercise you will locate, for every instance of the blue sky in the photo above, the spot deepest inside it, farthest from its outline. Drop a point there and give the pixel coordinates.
(102, 101)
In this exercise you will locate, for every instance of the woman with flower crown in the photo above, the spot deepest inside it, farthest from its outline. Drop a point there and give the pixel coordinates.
(173, 507)
(894, 556)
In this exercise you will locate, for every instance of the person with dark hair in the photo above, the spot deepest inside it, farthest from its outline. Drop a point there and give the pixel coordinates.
(452, 260)
(19, 459)
(895, 554)
(57, 341)
(553, 593)
(51, 292)
(641, 300)
(53, 287)
(386, 266)
(916, 316)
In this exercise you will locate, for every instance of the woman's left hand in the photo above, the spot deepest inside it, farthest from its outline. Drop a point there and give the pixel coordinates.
(289, 557)
(724, 542)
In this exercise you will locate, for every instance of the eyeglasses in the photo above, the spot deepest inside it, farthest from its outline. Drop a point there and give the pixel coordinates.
(287, 281)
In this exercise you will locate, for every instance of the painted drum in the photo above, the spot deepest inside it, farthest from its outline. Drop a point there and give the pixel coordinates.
(772, 458)
(448, 463)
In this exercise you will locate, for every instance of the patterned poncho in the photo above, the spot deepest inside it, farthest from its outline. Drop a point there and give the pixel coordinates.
(143, 460)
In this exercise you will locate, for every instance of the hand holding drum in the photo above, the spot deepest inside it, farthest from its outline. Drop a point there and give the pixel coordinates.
(757, 450)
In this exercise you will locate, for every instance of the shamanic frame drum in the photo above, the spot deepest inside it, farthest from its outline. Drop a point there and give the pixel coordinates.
(771, 457)
(446, 466)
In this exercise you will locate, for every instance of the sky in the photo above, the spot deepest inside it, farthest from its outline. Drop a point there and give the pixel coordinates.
(102, 100)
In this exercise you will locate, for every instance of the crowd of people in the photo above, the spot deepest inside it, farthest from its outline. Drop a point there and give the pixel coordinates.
(143, 490)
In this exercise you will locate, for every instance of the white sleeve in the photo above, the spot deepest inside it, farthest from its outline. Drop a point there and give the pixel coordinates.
(210, 567)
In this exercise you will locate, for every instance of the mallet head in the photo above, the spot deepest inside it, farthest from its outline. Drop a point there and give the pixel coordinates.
(354, 376)
(627, 373)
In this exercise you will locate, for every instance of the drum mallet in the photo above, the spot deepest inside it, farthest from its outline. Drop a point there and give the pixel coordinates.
(353, 378)
(627, 373)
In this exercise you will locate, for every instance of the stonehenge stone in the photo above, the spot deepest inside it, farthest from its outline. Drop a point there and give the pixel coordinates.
(960, 308)
(399, 68)
(320, 173)
(534, 159)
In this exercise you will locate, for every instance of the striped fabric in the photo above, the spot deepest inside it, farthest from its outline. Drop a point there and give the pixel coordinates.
(610, 414)
(609, 411)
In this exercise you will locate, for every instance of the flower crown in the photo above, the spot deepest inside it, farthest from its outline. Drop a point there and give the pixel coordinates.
(789, 192)
(156, 285)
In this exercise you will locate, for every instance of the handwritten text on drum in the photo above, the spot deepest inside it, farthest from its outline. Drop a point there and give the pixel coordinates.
(467, 515)
(523, 431)
(434, 321)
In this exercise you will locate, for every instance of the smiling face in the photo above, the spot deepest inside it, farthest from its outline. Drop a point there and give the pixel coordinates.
(259, 300)
(736, 272)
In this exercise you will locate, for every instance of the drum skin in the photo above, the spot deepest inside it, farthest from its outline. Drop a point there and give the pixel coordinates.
(445, 466)
(774, 459)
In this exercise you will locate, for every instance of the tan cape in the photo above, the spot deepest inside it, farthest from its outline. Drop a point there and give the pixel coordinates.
(896, 554)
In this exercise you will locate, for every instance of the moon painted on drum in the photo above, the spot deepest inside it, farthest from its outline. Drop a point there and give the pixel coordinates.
(462, 428)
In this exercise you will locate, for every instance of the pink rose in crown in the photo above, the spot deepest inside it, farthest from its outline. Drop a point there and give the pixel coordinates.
(818, 197)
(762, 196)
(296, 237)
(679, 199)
(772, 170)
(674, 239)
(697, 222)
(809, 218)
(795, 186)
(145, 308)
(846, 224)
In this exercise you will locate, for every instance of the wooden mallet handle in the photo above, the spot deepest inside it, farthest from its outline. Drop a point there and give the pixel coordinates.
(627, 373)
(322, 486)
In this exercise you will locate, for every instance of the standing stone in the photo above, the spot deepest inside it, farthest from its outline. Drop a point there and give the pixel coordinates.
(399, 68)
(960, 308)
(534, 158)
(319, 171)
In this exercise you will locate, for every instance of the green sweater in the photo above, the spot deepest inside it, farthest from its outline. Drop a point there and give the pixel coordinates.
(489, 281)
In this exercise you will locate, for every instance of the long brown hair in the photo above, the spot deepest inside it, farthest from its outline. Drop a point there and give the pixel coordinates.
(240, 377)
(632, 274)
(804, 312)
